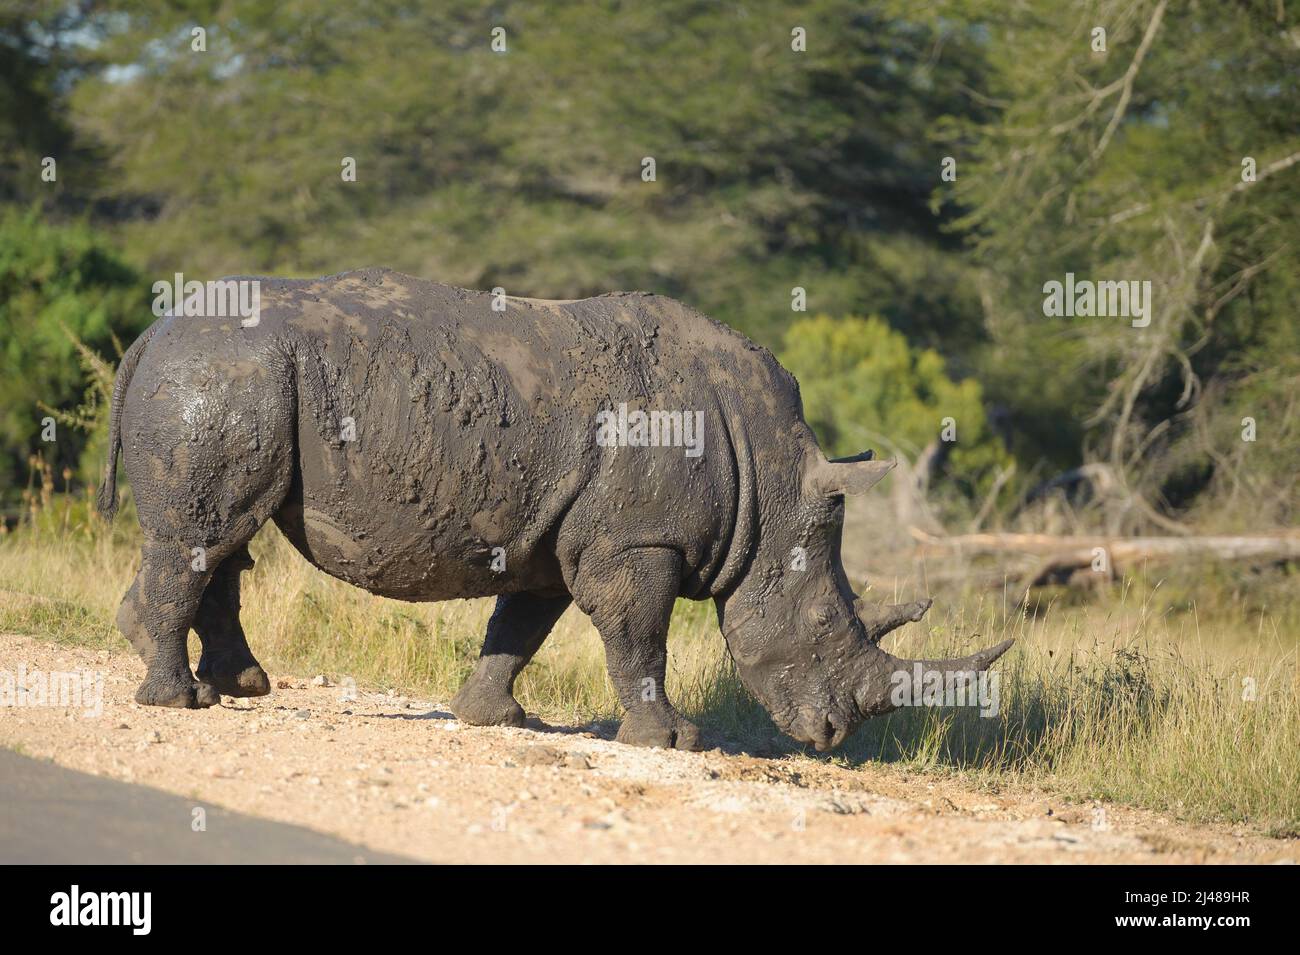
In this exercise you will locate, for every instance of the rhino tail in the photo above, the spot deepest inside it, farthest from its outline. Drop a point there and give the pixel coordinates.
(106, 499)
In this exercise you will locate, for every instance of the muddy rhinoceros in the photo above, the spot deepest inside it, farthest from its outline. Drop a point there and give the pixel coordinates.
(426, 442)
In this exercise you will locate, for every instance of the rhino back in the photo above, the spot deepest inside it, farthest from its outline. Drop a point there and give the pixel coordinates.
(434, 430)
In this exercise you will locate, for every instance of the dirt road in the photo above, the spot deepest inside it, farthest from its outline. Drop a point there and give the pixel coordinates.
(404, 777)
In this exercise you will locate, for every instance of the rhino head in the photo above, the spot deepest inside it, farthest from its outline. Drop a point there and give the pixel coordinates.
(803, 643)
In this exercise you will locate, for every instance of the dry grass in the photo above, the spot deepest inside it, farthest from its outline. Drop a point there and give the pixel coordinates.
(1125, 699)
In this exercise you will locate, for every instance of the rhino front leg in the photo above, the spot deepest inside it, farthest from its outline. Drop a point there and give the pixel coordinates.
(629, 597)
(519, 625)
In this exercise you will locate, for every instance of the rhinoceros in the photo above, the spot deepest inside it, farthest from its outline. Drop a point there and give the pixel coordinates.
(426, 442)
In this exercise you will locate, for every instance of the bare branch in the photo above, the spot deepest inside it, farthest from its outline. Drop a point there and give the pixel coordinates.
(1129, 76)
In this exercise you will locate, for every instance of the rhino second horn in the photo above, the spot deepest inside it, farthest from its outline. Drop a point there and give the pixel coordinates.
(880, 619)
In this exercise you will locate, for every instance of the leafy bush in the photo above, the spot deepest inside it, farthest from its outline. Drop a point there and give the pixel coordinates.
(863, 385)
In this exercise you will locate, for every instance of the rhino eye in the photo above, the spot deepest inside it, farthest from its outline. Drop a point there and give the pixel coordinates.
(823, 615)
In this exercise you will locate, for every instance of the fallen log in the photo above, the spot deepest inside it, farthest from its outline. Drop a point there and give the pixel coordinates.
(1061, 557)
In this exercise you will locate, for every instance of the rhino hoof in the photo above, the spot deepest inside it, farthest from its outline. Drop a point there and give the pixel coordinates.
(651, 729)
(206, 695)
(249, 681)
(477, 707)
(190, 696)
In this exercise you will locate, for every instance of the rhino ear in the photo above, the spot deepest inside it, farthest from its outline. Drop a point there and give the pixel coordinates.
(846, 475)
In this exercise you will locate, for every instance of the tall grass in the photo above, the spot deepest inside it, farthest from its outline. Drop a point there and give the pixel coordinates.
(1115, 700)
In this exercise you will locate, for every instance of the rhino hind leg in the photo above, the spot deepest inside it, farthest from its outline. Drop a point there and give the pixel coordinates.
(131, 625)
(519, 625)
(209, 445)
(155, 616)
(227, 663)
(629, 598)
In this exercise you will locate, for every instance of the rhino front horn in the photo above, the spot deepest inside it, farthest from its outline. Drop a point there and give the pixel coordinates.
(846, 475)
(884, 672)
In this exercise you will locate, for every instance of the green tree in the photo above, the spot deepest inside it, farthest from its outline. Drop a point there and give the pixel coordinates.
(55, 282)
(1167, 151)
(774, 168)
(43, 49)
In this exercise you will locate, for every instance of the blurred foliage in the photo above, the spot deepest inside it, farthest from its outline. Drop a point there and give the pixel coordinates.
(859, 379)
(775, 169)
(59, 286)
(1128, 163)
(32, 124)
(524, 169)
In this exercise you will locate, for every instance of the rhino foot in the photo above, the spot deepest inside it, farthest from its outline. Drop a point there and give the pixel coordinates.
(247, 680)
(663, 731)
(191, 695)
(480, 704)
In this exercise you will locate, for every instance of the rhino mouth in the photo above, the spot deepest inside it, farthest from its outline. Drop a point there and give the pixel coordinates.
(822, 729)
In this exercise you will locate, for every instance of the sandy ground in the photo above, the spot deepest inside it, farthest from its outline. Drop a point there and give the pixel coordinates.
(403, 776)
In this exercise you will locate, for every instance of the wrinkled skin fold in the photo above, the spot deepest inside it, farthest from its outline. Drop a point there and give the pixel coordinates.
(426, 442)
